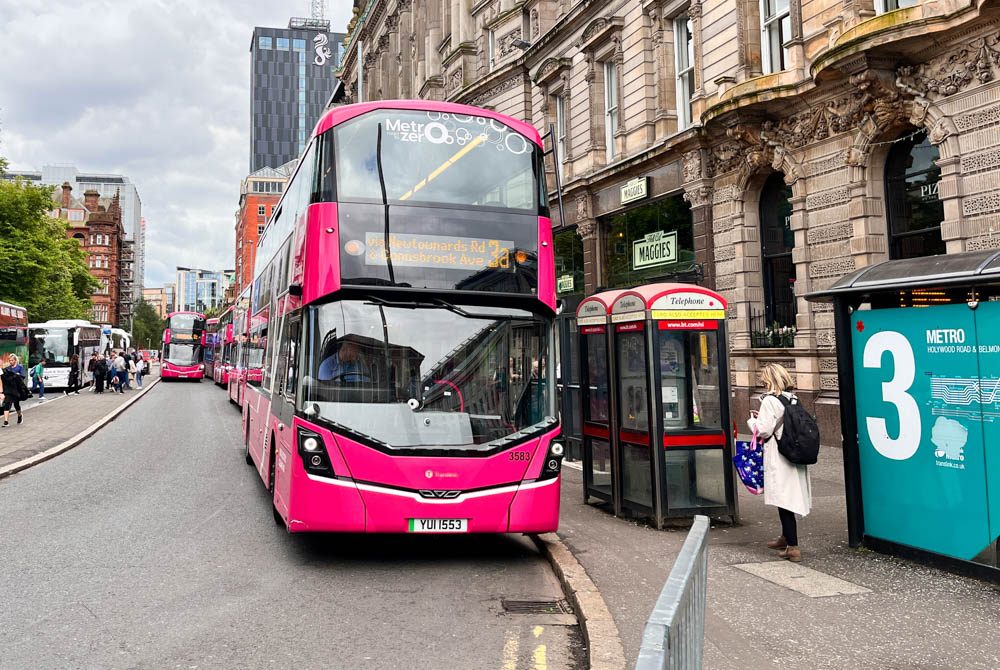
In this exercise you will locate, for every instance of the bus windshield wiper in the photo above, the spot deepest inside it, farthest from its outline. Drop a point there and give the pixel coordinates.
(438, 303)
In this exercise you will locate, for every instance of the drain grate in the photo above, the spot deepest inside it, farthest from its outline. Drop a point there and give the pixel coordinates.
(536, 607)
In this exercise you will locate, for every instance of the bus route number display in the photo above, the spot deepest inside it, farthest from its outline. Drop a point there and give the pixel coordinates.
(439, 251)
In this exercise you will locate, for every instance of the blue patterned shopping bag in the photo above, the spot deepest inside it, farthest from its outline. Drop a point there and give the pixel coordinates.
(749, 462)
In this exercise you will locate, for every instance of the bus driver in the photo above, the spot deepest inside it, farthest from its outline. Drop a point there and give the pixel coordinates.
(343, 365)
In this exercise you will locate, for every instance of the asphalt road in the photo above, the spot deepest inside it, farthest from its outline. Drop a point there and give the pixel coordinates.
(152, 545)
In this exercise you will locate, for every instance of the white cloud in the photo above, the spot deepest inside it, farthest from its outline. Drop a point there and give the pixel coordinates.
(154, 89)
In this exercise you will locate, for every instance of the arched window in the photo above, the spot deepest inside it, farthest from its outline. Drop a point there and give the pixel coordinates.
(776, 244)
(913, 209)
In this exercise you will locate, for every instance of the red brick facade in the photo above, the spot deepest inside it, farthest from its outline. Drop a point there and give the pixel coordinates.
(97, 226)
(249, 223)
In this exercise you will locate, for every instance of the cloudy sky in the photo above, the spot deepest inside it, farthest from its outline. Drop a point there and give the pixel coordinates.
(157, 90)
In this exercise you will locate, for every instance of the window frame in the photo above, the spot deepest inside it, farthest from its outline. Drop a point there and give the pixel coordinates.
(683, 77)
(883, 6)
(561, 134)
(766, 25)
(611, 111)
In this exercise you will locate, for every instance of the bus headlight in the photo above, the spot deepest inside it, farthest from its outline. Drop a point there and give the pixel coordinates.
(553, 462)
(201, 367)
(315, 460)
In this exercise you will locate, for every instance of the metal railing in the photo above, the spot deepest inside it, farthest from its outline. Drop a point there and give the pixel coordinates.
(674, 637)
(776, 331)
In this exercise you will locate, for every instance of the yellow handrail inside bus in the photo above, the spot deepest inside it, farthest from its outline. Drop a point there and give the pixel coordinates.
(447, 164)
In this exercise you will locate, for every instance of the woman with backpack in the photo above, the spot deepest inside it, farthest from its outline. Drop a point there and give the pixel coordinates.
(786, 485)
(100, 374)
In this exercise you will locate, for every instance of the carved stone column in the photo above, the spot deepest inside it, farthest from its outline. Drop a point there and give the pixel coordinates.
(694, 13)
(587, 229)
(698, 193)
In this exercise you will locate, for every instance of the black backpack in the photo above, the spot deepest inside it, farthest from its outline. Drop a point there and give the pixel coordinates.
(799, 441)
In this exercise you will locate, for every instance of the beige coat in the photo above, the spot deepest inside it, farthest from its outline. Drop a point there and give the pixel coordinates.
(785, 484)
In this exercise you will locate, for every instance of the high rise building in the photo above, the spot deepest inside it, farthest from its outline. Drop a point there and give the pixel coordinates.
(291, 80)
(259, 194)
(201, 290)
(106, 185)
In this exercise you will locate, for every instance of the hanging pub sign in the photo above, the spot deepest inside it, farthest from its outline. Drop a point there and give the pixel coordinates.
(656, 248)
(635, 189)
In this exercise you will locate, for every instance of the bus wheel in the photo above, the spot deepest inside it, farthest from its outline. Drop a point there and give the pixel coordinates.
(247, 456)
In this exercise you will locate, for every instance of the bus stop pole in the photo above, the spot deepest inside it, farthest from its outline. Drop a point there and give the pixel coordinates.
(849, 423)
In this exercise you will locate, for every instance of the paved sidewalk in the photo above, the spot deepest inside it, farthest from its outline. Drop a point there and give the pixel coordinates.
(849, 608)
(56, 420)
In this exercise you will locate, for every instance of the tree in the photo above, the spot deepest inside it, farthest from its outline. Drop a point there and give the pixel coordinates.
(40, 269)
(147, 326)
(214, 312)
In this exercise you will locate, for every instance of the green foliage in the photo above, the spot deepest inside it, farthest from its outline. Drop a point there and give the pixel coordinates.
(40, 268)
(215, 312)
(147, 326)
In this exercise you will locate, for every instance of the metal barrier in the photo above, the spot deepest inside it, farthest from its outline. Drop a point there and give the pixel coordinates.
(674, 637)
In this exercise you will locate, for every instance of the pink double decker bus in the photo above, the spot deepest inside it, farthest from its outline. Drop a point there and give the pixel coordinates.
(398, 354)
(183, 351)
(236, 377)
(222, 349)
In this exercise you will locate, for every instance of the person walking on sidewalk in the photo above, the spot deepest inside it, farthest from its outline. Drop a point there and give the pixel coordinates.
(38, 380)
(786, 485)
(12, 390)
(121, 371)
(90, 372)
(140, 365)
(74, 376)
(100, 373)
(132, 370)
(15, 366)
(111, 371)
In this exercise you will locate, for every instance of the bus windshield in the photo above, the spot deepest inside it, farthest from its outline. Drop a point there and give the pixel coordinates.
(186, 322)
(52, 344)
(437, 158)
(427, 376)
(182, 354)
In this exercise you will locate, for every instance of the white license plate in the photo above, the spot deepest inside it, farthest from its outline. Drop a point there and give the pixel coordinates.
(439, 525)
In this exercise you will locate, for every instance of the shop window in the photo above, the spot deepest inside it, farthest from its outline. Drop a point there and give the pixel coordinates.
(648, 243)
(775, 30)
(914, 210)
(774, 327)
(568, 248)
(684, 67)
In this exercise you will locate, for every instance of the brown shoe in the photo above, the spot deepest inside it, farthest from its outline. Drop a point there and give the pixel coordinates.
(793, 554)
(780, 543)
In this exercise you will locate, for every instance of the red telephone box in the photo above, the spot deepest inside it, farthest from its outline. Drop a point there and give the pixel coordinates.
(656, 402)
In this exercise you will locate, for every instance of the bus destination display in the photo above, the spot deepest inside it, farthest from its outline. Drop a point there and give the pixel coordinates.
(435, 251)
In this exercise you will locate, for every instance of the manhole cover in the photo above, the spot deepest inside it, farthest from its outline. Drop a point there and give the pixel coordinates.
(536, 607)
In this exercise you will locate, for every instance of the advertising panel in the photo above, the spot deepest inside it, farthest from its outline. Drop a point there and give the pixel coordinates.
(926, 383)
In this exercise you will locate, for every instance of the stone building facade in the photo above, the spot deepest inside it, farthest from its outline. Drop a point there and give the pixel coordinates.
(260, 192)
(786, 142)
(96, 224)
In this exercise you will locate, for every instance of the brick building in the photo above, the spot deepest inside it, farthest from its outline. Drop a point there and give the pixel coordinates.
(787, 143)
(96, 223)
(259, 194)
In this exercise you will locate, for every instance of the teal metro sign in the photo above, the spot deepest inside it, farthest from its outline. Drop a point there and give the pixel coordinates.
(928, 403)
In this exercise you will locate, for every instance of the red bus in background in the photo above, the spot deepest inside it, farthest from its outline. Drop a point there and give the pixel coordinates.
(223, 349)
(398, 360)
(237, 371)
(183, 346)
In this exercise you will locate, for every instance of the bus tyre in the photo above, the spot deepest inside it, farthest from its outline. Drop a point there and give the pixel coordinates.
(247, 455)
(274, 508)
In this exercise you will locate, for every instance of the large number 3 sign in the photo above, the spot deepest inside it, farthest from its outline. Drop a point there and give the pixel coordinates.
(895, 392)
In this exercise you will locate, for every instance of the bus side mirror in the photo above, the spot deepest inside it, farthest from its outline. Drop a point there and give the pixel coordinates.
(295, 290)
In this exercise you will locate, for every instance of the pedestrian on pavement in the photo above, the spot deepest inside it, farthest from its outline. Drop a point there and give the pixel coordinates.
(90, 371)
(140, 366)
(12, 391)
(74, 376)
(38, 380)
(100, 373)
(112, 377)
(786, 485)
(131, 370)
(121, 371)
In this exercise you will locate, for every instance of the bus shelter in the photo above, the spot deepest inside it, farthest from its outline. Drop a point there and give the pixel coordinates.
(655, 377)
(919, 375)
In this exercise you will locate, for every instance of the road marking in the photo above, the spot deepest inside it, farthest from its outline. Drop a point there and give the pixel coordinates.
(538, 631)
(510, 651)
(799, 578)
(540, 662)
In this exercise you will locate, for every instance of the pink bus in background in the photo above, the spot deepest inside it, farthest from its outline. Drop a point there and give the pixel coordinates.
(398, 354)
(222, 349)
(183, 350)
(236, 377)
